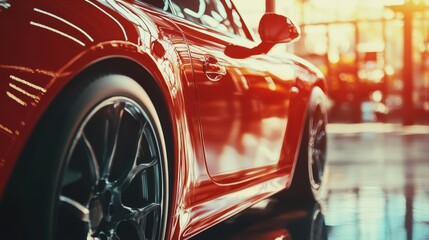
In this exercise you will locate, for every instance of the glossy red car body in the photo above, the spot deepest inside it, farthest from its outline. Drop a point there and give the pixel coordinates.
(235, 140)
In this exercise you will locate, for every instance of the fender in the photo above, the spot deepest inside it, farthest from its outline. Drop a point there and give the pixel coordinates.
(31, 83)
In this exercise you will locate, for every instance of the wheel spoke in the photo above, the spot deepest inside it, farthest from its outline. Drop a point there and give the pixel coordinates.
(138, 168)
(124, 183)
(318, 154)
(143, 223)
(318, 162)
(111, 145)
(321, 159)
(320, 124)
(139, 230)
(135, 215)
(93, 163)
(320, 136)
(143, 212)
(114, 237)
(76, 208)
(315, 158)
(145, 185)
(129, 229)
(317, 126)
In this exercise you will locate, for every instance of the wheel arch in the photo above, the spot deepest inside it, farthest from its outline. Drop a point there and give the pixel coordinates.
(151, 82)
(321, 83)
(137, 72)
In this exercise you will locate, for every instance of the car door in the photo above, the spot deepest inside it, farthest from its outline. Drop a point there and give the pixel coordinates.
(243, 104)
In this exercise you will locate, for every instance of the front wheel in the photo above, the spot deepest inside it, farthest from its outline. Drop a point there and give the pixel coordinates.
(97, 167)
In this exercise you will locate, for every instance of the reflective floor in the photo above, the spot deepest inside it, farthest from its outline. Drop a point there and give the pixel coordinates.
(378, 188)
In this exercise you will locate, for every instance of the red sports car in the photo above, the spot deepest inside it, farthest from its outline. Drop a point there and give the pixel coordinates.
(150, 119)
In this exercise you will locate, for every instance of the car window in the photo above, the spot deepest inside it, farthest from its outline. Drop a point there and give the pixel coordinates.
(211, 13)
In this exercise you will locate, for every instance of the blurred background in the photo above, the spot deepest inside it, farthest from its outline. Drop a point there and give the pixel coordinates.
(375, 53)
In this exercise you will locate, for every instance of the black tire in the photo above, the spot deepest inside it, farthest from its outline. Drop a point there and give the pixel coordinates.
(309, 174)
(95, 166)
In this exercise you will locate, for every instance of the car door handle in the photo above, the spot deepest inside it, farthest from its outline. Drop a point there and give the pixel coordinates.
(213, 70)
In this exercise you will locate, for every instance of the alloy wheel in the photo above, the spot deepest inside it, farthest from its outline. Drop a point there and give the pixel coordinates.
(113, 185)
(317, 147)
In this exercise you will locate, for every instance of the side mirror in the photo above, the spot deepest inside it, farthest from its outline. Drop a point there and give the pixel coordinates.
(273, 29)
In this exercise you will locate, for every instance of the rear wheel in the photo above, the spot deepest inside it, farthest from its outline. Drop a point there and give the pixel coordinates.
(309, 174)
(316, 147)
(98, 166)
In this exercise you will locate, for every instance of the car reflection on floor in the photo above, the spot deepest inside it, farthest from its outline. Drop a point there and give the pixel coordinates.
(377, 189)
(378, 184)
(271, 219)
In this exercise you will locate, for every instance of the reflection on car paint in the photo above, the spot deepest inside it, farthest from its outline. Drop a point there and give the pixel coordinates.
(231, 146)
